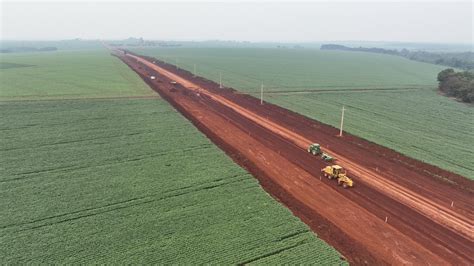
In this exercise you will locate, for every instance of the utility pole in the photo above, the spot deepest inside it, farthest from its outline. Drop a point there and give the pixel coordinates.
(261, 94)
(220, 79)
(194, 69)
(342, 121)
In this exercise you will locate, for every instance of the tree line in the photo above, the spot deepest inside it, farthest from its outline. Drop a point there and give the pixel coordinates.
(457, 84)
(27, 49)
(462, 60)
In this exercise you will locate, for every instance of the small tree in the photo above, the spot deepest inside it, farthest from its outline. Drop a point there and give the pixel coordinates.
(443, 75)
(459, 85)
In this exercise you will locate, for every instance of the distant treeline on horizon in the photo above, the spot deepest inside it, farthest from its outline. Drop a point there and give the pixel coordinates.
(462, 60)
(27, 49)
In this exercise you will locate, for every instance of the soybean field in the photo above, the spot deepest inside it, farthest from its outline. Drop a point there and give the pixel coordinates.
(98, 169)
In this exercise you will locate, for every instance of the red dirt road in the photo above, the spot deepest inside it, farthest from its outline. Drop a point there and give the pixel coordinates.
(271, 143)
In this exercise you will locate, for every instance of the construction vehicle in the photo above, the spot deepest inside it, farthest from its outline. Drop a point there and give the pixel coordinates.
(315, 149)
(336, 171)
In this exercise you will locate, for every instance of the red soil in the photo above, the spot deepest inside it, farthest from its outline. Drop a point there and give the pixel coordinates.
(271, 143)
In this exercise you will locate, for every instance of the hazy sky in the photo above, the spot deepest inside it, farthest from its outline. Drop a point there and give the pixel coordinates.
(243, 21)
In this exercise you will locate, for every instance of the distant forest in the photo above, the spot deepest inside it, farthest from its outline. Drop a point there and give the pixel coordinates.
(457, 84)
(141, 42)
(462, 60)
(27, 49)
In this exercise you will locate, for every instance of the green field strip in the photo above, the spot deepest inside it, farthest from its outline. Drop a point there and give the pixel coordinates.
(66, 74)
(242, 68)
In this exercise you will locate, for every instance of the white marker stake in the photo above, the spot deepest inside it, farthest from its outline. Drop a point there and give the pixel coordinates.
(386, 218)
(220, 79)
(342, 121)
(452, 204)
(261, 94)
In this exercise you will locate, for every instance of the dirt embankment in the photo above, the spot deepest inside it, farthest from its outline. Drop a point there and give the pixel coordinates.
(422, 226)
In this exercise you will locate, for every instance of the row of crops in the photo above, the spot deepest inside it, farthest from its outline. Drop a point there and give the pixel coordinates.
(403, 112)
(130, 181)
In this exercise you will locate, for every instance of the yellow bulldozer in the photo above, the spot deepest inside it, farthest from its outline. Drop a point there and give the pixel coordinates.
(337, 172)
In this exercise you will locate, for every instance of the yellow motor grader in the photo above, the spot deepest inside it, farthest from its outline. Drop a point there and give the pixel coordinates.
(337, 172)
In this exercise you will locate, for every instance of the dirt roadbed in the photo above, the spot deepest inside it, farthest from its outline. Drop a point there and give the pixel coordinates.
(415, 198)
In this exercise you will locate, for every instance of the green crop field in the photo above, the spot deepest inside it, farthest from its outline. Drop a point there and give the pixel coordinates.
(299, 69)
(390, 100)
(66, 74)
(127, 180)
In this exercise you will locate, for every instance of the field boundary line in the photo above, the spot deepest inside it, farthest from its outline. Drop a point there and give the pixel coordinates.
(316, 91)
(80, 98)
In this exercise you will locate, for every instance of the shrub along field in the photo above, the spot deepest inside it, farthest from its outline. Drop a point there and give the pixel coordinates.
(390, 100)
(122, 180)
